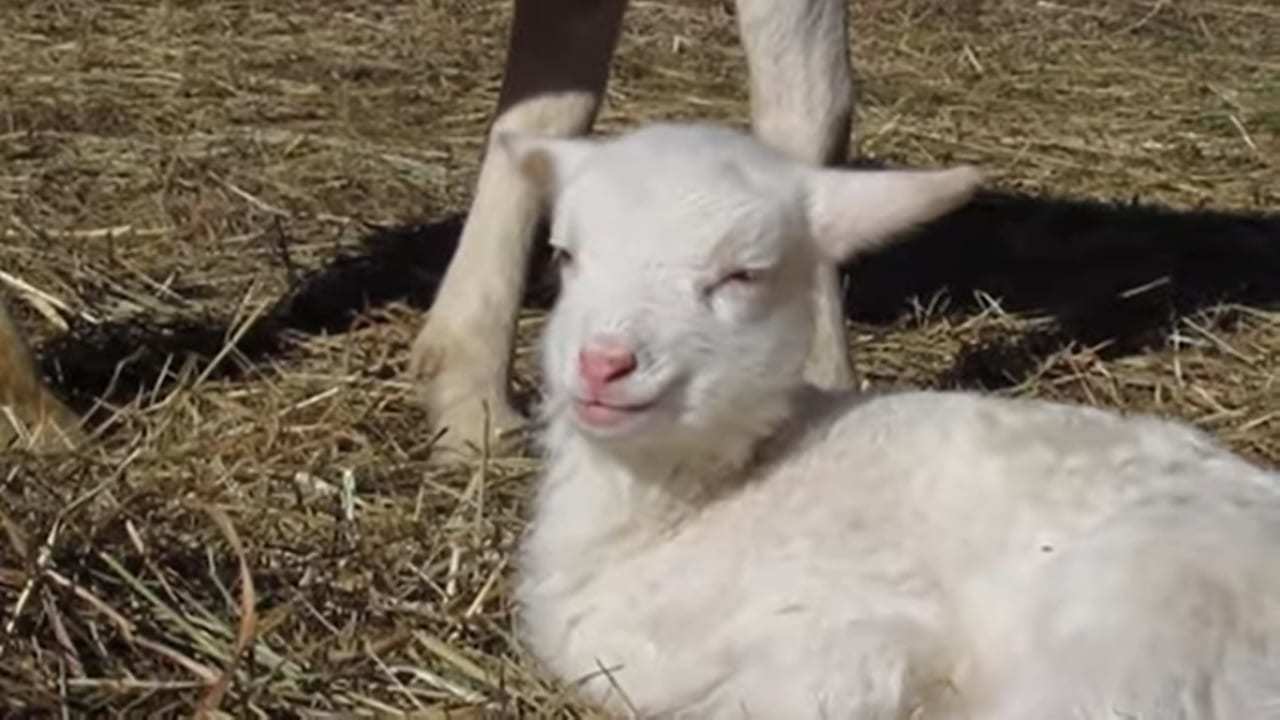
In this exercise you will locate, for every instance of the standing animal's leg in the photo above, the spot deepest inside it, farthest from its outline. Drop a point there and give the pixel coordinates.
(557, 66)
(802, 103)
(29, 411)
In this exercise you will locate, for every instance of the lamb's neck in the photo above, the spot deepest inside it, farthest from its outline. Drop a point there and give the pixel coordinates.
(598, 497)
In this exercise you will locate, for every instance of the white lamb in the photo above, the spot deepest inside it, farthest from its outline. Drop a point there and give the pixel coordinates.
(713, 538)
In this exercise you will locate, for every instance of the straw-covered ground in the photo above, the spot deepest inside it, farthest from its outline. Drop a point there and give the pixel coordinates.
(170, 171)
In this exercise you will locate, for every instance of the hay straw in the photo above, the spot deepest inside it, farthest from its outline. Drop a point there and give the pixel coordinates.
(168, 170)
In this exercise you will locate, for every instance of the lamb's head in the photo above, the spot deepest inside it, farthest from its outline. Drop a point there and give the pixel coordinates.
(687, 257)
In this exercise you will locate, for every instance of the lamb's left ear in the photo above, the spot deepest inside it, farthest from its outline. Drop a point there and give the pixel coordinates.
(546, 162)
(852, 211)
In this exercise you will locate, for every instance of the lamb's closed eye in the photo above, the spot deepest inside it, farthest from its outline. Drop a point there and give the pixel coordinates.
(738, 278)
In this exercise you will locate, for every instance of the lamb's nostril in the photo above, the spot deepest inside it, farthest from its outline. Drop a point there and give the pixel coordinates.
(603, 361)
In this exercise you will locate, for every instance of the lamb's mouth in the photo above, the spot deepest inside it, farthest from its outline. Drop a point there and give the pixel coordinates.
(607, 416)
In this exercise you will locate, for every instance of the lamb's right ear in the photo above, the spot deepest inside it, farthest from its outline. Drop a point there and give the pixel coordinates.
(546, 162)
(853, 211)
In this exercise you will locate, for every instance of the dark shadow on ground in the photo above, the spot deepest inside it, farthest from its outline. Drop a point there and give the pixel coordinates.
(116, 361)
(1110, 274)
(1107, 272)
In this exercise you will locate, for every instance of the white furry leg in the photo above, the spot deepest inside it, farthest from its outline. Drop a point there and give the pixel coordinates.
(557, 65)
(802, 103)
(885, 669)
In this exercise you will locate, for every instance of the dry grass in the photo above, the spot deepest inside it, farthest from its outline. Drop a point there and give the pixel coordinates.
(169, 170)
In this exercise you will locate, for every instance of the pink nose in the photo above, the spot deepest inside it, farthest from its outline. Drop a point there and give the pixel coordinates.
(604, 360)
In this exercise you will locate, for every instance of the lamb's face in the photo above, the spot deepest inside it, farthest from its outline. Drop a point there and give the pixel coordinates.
(684, 305)
(687, 259)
